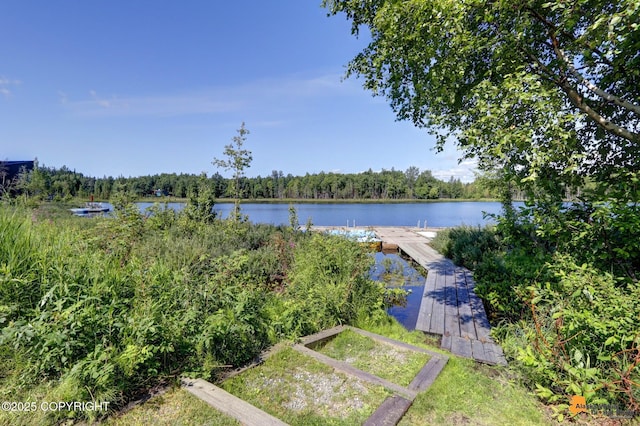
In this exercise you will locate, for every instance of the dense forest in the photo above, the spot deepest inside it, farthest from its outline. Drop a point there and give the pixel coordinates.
(51, 183)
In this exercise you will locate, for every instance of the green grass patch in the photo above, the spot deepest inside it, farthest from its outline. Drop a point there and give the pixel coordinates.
(302, 391)
(175, 407)
(389, 362)
(466, 392)
(469, 393)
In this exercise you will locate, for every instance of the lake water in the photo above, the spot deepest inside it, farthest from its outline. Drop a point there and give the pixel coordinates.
(394, 271)
(436, 214)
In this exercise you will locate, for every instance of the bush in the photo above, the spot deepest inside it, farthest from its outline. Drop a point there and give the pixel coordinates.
(467, 245)
(329, 280)
(569, 326)
(582, 338)
(116, 305)
(501, 278)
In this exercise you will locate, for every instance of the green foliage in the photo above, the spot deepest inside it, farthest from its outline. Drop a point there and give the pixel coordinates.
(60, 184)
(582, 338)
(541, 91)
(160, 218)
(466, 245)
(238, 159)
(601, 230)
(329, 279)
(199, 206)
(294, 222)
(570, 327)
(500, 280)
(113, 305)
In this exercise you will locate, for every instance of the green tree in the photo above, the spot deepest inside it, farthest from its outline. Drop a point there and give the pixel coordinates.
(547, 92)
(544, 94)
(412, 174)
(200, 201)
(238, 160)
(34, 183)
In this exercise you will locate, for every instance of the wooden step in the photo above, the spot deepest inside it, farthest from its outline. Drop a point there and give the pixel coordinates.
(389, 412)
(229, 404)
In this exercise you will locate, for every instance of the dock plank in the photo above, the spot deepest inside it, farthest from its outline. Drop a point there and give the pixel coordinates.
(451, 319)
(483, 328)
(495, 354)
(445, 343)
(436, 324)
(425, 311)
(479, 353)
(461, 346)
(465, 316)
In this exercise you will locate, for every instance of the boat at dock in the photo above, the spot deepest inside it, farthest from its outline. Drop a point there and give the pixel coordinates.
(90, 209)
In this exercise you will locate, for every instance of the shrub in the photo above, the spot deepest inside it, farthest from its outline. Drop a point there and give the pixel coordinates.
(116, 305)
(582, 338)
(329, 280)
(568, 325)
(466, 245)
(501, 277)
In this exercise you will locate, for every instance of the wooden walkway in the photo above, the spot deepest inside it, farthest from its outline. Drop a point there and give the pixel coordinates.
(449, 304)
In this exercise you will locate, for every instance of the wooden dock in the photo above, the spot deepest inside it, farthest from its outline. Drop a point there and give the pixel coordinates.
(449, 304)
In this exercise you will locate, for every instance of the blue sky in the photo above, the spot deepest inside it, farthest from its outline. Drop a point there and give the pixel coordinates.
(142, 87)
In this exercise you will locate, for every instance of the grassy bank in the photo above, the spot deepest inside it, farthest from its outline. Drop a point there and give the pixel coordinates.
(96, 310)
(301, 391)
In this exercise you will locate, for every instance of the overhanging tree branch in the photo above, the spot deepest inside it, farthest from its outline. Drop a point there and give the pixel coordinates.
(592, 87)
(579, 102)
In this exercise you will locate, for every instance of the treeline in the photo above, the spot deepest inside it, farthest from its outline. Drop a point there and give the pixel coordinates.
(52, 183)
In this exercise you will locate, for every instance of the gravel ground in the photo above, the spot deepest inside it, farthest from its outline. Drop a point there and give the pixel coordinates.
(333, 393)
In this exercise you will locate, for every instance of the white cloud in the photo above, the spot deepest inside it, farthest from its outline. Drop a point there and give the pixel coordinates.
(261, 93)
(465, 171)
(5, 83)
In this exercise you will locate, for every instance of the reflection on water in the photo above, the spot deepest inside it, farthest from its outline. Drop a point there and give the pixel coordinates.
(394, 271)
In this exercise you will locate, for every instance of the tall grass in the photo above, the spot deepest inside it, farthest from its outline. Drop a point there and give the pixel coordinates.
(99, 309)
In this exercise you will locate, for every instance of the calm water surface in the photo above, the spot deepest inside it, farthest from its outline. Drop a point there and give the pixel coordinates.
(437, 214)
(397, 272)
